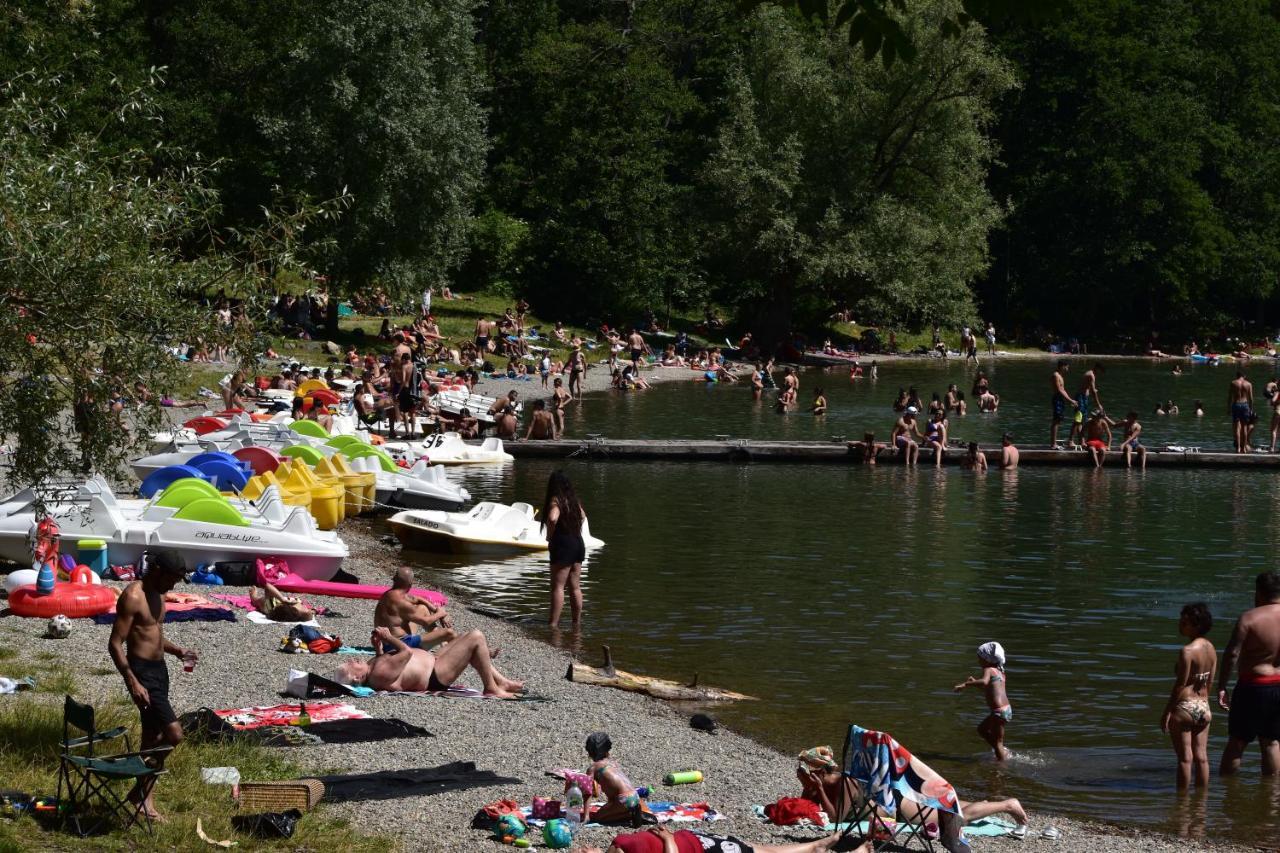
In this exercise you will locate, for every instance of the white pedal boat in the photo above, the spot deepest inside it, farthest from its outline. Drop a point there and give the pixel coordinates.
(449, 448)
(206, 533)
(424, 486)
(488, 528)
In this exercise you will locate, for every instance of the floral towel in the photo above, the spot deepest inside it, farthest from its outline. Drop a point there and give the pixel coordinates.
(260, 716)
(888, 772)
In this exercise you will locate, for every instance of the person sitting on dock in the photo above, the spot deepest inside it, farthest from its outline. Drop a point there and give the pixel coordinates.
(399, 610)
(541, 426)
(870, 449)
(401, 668)
(1098, 426)
(1008, 452)
(904, 435)
(466, 425)
(1132, 445)
(935, 436)
(974, 460)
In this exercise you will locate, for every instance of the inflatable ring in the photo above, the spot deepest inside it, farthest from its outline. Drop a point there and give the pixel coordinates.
(74, 600)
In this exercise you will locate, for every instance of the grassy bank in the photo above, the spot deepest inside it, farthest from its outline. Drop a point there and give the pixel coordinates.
(31, 730)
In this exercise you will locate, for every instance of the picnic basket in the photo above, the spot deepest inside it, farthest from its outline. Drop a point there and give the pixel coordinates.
(300, 794)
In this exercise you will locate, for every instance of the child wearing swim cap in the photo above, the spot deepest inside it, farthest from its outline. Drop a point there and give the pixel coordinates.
(991, 658)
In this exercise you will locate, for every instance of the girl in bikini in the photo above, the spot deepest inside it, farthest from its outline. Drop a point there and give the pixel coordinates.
(991, 729)
(1186, 715)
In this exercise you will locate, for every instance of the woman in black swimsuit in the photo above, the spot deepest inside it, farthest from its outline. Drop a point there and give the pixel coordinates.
(563, 516)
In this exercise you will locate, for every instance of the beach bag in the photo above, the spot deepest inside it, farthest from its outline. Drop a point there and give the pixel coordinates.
(789, 811)
(271, 570)
(268, 824)
(544, 809)
(235, 573)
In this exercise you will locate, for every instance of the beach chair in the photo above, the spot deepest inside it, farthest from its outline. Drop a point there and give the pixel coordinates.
(886, 773)
(87, 778)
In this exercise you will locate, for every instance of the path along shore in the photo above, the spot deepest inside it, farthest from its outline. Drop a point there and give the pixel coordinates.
(240, 666)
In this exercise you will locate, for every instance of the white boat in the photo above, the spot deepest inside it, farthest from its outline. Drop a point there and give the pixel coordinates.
(449, 448)
(488, 528)
(204, 531)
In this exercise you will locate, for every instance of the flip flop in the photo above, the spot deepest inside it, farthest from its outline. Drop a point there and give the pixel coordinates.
(1020, 831)
(1051, 832)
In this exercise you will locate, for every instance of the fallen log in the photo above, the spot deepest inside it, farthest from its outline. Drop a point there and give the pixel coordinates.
(660, 688)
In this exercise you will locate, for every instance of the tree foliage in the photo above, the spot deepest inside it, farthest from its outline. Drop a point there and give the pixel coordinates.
(103, 254)
(843, 181)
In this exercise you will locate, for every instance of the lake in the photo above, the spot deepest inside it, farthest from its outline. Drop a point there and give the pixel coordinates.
(849, 594)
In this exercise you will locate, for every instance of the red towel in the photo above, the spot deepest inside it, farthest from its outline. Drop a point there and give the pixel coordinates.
(788, 811)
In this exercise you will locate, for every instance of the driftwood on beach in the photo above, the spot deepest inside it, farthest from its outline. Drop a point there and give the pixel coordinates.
(660, 688)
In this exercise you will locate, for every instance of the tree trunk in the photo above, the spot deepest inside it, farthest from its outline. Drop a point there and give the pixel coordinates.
(331, 315)
(771, 317)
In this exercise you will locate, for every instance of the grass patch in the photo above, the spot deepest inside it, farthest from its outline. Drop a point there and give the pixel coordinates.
(31, 728)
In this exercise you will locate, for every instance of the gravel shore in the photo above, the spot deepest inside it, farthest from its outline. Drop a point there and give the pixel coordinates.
(240, 666)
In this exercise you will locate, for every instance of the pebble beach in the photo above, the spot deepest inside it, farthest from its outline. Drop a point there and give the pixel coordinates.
(241, 666)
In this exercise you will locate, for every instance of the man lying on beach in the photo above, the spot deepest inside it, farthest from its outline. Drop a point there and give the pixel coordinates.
(400, 668)
(278, 607)
(399, 610)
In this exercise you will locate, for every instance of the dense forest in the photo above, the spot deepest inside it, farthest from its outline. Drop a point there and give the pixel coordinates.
(1110, 170)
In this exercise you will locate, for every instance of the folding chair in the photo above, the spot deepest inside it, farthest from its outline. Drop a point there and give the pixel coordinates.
(88, 778)
(887, 774)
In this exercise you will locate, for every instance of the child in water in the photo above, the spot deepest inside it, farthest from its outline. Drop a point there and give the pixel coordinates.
(991, 729)
(1186, 716)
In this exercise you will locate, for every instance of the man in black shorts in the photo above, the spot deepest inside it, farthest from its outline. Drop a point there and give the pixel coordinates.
(138, 647)
(1254, 708)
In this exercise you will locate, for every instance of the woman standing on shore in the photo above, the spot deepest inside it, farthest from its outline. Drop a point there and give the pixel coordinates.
(563, 516)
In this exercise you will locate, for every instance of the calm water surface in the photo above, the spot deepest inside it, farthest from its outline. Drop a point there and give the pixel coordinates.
(841, 594)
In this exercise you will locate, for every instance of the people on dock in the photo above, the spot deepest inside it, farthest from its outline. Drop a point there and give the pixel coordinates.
(399, 667)
(991, 658)
(1240, 405)
(1273, 399)
(563, 516)
(870, 449)
(1186, 715)
(402, 613)
(904, 435)
(1097, 436)
(137, 648)
(1132, 442)
(1253, 710)
(1061, 399)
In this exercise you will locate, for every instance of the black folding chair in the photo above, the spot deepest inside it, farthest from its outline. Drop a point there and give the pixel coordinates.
(87, 778)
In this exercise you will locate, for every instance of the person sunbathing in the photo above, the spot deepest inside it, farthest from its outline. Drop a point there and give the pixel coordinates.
(399, 610)
(836, 794)
(659, 839)
(399, 667)
(278, 607)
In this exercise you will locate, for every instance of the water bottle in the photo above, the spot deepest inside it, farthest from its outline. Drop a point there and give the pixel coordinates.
(573, 809)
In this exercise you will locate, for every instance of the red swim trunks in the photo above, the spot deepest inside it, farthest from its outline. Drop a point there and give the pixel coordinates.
(1097, 444)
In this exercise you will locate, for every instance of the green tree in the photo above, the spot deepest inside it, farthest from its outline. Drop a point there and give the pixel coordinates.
(844, 181)
(1141, 166)
(314, 98)
(103, 255)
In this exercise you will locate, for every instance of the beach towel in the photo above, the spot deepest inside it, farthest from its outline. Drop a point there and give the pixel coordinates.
(990, 827)
(182, 607)
(307, 685)
(361, 730)
(665, 812)
(245, 719)
(413, 782)
(888, 772)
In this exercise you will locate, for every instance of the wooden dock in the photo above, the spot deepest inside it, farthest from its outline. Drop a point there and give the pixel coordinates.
(850, 452)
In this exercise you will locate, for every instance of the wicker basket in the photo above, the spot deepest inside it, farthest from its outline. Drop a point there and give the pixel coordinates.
(300, 794)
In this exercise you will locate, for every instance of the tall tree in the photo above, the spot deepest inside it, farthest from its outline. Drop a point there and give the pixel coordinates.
(844, 181)
(375, 97)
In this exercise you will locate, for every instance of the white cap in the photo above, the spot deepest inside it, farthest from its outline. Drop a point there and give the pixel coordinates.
(992, 653)
(912, 410)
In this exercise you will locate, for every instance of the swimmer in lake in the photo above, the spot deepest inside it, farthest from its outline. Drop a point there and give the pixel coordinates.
(1187, 715)
(974, 459)
(819, 402)
(1008, 453)
(870, 448)
(900, 404)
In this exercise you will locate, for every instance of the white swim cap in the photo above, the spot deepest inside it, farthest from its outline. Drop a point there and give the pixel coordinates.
(992, 653)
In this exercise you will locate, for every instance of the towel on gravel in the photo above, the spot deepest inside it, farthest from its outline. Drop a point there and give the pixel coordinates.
(415, 782)
(363, 730)
(308, 685)
(244, 719)
(182, 607)
(258, 618)
(991, 827)
(665, 812)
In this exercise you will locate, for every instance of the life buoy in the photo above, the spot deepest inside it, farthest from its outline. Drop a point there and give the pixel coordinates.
(73, 600)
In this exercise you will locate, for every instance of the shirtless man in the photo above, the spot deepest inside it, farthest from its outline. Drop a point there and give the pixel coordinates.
(137, 647)
(638, 347)
(1240, 403)
(484, 329)
(904, 435)
(400, 667)
(541, 425)
(1097, 436)
(559, 399)
(1132, 430)
(1061, 399)
(501, 403)
(398, 610)
(1254, 707)
(1008, 453)
(1273, 397)
(407, 397)
(1086, 399)
(505, 423)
